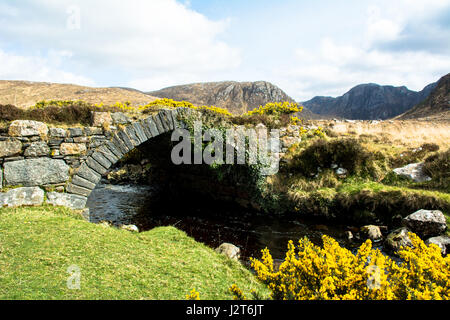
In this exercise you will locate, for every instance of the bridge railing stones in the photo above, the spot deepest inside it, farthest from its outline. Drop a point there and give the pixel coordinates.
(62, 166)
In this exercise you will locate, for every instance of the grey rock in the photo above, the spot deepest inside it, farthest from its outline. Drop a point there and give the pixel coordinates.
(126, 140)
(426, 223)
(96, 166)
(72, 188)
(120, 118)
(27, 196)
(341, 171)
(398, 238)
(68, 200)
(27, 128)
(58, 133)
(37, 149)
(79, 181)
(35, 172)
(101, 159)
(443, 242)
(413, 171)
(87, 173)
(10, 147)
(75, 132)
(230, 250)
(93, 131)
(371, 232)
(131, 228)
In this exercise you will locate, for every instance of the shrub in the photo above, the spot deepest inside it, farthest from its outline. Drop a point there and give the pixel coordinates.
(333, 272)
(438, 167)
(276, 108)
(345, 153)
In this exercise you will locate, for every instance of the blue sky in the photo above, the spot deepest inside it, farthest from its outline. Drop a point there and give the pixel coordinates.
(307, 48)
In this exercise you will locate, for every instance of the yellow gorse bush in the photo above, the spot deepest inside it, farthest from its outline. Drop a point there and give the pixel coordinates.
(276, 108)
(335, 273)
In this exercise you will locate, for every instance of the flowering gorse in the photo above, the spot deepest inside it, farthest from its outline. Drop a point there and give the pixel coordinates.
(276, 108)
(335, 273)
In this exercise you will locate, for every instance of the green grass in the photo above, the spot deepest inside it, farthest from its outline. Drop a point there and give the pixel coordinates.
(37, 245)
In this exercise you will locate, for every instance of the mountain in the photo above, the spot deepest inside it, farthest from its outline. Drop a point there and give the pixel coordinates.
(26, 93)
(435, 106)
(369, 101)
(237, 97)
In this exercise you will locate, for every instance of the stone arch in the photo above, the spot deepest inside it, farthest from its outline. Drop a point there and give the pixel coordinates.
(89, 174)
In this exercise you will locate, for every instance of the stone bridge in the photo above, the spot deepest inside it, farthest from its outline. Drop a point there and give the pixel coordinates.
(60, 166)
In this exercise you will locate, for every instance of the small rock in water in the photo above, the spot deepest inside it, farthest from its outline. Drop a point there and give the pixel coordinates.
(349, 235)
(397, 239)
(130, 227)
(372, 232)
(230, 250)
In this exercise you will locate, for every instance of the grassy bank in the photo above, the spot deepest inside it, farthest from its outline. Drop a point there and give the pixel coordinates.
(37, 246)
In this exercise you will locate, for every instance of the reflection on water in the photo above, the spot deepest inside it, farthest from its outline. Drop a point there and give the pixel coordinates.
(209, 222)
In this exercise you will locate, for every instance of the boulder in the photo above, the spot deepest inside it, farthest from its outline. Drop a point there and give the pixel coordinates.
(371, 232)
(131, 228)
(27, 128)
(9, 148)
(70, 149)
(100, 119)
(426, 223)
(68, 200)
(443, 242)
(230, 250)
(397, 239)
(19, 197)
(413, 171)
(36, 172)
(341, 171)
(37, 149)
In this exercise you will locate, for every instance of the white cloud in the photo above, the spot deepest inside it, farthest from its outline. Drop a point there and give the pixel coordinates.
(136, 38)
(34, 68)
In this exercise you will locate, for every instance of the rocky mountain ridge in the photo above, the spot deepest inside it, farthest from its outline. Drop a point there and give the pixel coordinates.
(369, 102)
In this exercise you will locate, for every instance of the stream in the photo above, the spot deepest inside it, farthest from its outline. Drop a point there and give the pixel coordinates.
(210, 222)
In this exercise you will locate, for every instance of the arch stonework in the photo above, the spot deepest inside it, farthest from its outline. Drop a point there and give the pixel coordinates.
(89, 174)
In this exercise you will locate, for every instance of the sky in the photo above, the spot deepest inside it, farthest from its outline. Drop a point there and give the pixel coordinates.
(307, 48)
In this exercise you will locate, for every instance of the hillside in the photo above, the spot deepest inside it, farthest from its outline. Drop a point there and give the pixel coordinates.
(436, 106)
(369, 101)
(26, 93)
(237, 97)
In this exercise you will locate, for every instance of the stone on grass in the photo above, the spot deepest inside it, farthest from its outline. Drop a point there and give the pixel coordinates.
(131, 228)
(413, 171)
(230, 250)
